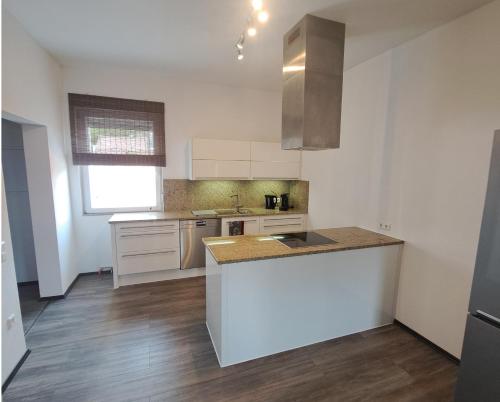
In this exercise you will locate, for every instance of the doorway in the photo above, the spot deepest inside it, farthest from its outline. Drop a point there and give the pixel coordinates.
(21, 228)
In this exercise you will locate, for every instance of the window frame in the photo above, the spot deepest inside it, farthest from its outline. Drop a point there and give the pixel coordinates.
(88, 210)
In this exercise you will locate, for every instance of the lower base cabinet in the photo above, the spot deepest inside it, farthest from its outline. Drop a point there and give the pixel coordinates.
(144, 247)
(268, 224)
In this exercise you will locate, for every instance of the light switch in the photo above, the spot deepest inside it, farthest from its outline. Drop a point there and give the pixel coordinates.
(10, 320)
(4, 252)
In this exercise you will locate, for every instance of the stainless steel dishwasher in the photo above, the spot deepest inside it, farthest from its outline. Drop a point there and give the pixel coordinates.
(192, 247)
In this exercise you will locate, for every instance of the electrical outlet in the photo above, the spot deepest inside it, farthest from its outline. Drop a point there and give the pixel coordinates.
(385, 226)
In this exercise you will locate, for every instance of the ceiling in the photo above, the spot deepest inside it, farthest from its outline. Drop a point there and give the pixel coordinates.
(195, 38)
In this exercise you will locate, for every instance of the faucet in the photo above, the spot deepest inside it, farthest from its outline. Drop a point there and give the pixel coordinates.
(238, 205)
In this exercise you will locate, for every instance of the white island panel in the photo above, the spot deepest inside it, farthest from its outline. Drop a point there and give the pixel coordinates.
(258, 308)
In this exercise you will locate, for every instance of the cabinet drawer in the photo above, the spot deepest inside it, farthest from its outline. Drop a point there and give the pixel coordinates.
(282, 228)
(139, 262)
(146, 227)
(148, 241)
(292, 223)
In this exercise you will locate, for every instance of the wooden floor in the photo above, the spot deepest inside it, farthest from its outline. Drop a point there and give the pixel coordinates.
(150, 343)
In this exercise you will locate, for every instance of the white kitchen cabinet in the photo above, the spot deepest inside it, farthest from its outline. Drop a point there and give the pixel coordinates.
(221, 150)
(219, 159)
(233, 169)
(203, 169)
(275, 170)
(148, 241)
(251, 226)
(282, 224)
(141, 262)
(242, 160)
(268, 224)
(210, 169)
(144, 247)
(269, 161)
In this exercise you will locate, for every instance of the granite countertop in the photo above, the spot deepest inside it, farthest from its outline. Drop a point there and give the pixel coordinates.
(228, 250)
(185, 215)
(149, 216)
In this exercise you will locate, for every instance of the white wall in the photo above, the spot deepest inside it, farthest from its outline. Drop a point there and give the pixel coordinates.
(191, 110)
(13, 343)
(417, 131)
(446, 108)
(32, 91)
(344, 182)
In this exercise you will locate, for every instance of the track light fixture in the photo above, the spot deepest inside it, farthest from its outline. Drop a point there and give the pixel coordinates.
(241, 41)
(258, 13)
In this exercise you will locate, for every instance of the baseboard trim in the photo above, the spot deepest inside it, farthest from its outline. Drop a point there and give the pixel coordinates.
(15, 370)
(29, 283)
(59, 297)
(427, 341)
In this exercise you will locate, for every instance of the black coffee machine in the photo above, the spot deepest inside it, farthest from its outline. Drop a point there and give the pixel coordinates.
(271, 201)
(284, 202)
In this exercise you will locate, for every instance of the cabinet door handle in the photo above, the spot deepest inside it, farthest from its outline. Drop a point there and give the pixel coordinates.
(282, 219)
(147, 227)
(147, 234)
(285, 224)
(153, 253)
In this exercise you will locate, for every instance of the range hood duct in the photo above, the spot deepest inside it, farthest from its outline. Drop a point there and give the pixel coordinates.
(313, 65)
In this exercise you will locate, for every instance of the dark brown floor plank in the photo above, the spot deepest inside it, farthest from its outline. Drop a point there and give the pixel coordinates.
(150, 343)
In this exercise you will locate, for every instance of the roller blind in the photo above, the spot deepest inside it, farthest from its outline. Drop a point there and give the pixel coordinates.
(115, 131)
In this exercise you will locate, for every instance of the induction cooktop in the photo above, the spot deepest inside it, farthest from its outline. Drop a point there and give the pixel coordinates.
(302, 239)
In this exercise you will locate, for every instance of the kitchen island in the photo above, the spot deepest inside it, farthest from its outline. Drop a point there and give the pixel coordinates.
(264, 297)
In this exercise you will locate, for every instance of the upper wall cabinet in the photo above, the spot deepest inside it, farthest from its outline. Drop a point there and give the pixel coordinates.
(219, 159)
(242, 160)
(269, 161)
(220, 150)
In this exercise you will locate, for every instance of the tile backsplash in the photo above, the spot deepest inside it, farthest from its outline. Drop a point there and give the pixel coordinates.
(180, 194)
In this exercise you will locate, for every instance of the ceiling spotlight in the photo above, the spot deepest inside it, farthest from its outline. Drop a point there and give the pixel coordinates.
(257, 4)
(251, 31)
(240, 56)
(263, 16)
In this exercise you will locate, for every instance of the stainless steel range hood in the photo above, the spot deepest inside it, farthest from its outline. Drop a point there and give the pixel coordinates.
(313, 64)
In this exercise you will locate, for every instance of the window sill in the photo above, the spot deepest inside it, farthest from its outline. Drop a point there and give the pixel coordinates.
(110, 213)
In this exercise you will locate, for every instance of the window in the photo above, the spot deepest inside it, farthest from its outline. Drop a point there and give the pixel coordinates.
(121, 145)
(109, 189)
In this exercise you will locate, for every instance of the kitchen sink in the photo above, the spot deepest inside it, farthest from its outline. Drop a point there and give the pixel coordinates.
(226, 211)
(233, 211)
